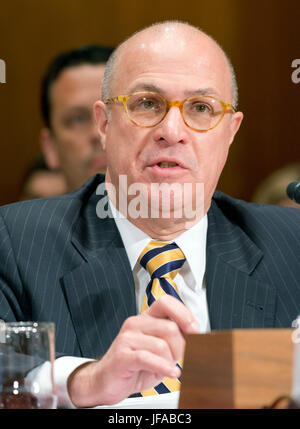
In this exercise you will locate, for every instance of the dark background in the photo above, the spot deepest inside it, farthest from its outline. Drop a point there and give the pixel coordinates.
(262, 37)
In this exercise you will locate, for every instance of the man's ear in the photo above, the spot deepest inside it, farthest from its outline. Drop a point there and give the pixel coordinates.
(49, 149)
(236, 121)
(101, 117)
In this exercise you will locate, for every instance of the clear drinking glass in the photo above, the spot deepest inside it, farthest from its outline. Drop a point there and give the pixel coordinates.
(27, 353)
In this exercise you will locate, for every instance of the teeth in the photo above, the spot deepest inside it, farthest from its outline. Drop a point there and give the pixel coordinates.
(165, 164)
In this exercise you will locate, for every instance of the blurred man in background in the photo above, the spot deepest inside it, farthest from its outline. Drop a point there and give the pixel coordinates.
(272, 190)
(69, 140)
(70, 144)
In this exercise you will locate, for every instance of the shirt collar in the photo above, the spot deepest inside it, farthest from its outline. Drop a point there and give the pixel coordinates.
(192, 242)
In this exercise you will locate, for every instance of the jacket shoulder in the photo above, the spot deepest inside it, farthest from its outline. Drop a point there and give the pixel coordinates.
(47, 212)
(259, 219)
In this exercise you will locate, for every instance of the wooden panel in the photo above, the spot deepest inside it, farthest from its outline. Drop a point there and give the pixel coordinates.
(263, 363)
(207, 378)
(237, 369)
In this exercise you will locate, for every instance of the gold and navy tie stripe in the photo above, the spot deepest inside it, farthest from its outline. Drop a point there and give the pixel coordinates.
(162, 260)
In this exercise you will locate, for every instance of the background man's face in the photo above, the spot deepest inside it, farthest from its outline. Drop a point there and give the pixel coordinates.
(176, 66)
(73, 144)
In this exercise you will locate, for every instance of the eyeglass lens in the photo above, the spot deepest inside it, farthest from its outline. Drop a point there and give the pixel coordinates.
(199, 112)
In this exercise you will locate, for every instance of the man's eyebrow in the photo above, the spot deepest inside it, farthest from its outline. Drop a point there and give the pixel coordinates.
(78, 108)
(146, 87)
(202, 91)
(74, 110)
(153, 88)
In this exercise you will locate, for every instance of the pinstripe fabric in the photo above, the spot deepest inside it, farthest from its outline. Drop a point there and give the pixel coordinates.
(54, 259)
(253, 264)
(59, 262)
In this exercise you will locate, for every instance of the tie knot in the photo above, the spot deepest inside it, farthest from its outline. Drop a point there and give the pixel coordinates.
(162, 259)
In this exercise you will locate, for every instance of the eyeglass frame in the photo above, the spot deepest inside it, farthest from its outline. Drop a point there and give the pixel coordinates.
(169, 104)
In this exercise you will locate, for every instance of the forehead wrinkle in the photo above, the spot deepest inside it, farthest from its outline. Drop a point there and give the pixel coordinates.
(146, 87)
(203, 91)
(141, 87)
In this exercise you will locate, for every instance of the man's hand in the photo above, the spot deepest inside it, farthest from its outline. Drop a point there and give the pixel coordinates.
(144, 352)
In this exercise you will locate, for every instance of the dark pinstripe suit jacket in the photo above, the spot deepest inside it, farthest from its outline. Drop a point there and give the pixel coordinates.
(59, 262)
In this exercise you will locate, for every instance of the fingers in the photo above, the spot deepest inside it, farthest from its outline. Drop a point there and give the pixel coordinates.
(151, 343)
(144, 360)
(169, 307)
(168, 333)
(167, 320)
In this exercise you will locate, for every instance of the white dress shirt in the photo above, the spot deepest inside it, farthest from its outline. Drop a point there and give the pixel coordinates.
(190, 282)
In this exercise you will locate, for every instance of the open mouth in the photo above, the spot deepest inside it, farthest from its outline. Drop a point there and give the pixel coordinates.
(166, 168)
(165, 164)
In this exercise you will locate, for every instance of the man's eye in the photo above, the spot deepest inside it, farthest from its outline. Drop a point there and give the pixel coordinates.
(77, 119)
(148, 104)
(201, 108)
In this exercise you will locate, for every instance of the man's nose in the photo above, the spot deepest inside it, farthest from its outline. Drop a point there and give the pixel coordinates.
(172, 129)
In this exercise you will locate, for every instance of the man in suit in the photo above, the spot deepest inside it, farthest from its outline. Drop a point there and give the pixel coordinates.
(70, 143)
(77, 260)
(69, 140)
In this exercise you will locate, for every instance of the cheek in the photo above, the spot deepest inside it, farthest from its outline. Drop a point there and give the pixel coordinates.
(211, 154)
(71, 145)
(122, 147)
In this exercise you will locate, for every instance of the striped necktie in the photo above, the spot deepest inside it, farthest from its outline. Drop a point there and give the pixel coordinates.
(162, 260)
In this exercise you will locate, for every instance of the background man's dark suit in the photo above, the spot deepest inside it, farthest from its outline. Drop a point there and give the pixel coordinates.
(59, 262)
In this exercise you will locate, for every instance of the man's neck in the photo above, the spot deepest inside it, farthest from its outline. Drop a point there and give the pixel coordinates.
(158, 225)
(163, 229)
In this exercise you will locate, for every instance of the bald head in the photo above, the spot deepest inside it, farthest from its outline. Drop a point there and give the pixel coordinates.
(176, 62)
(167, 38)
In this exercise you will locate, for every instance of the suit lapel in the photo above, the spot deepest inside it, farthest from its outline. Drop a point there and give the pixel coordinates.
(100, 291)
(236, 293)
